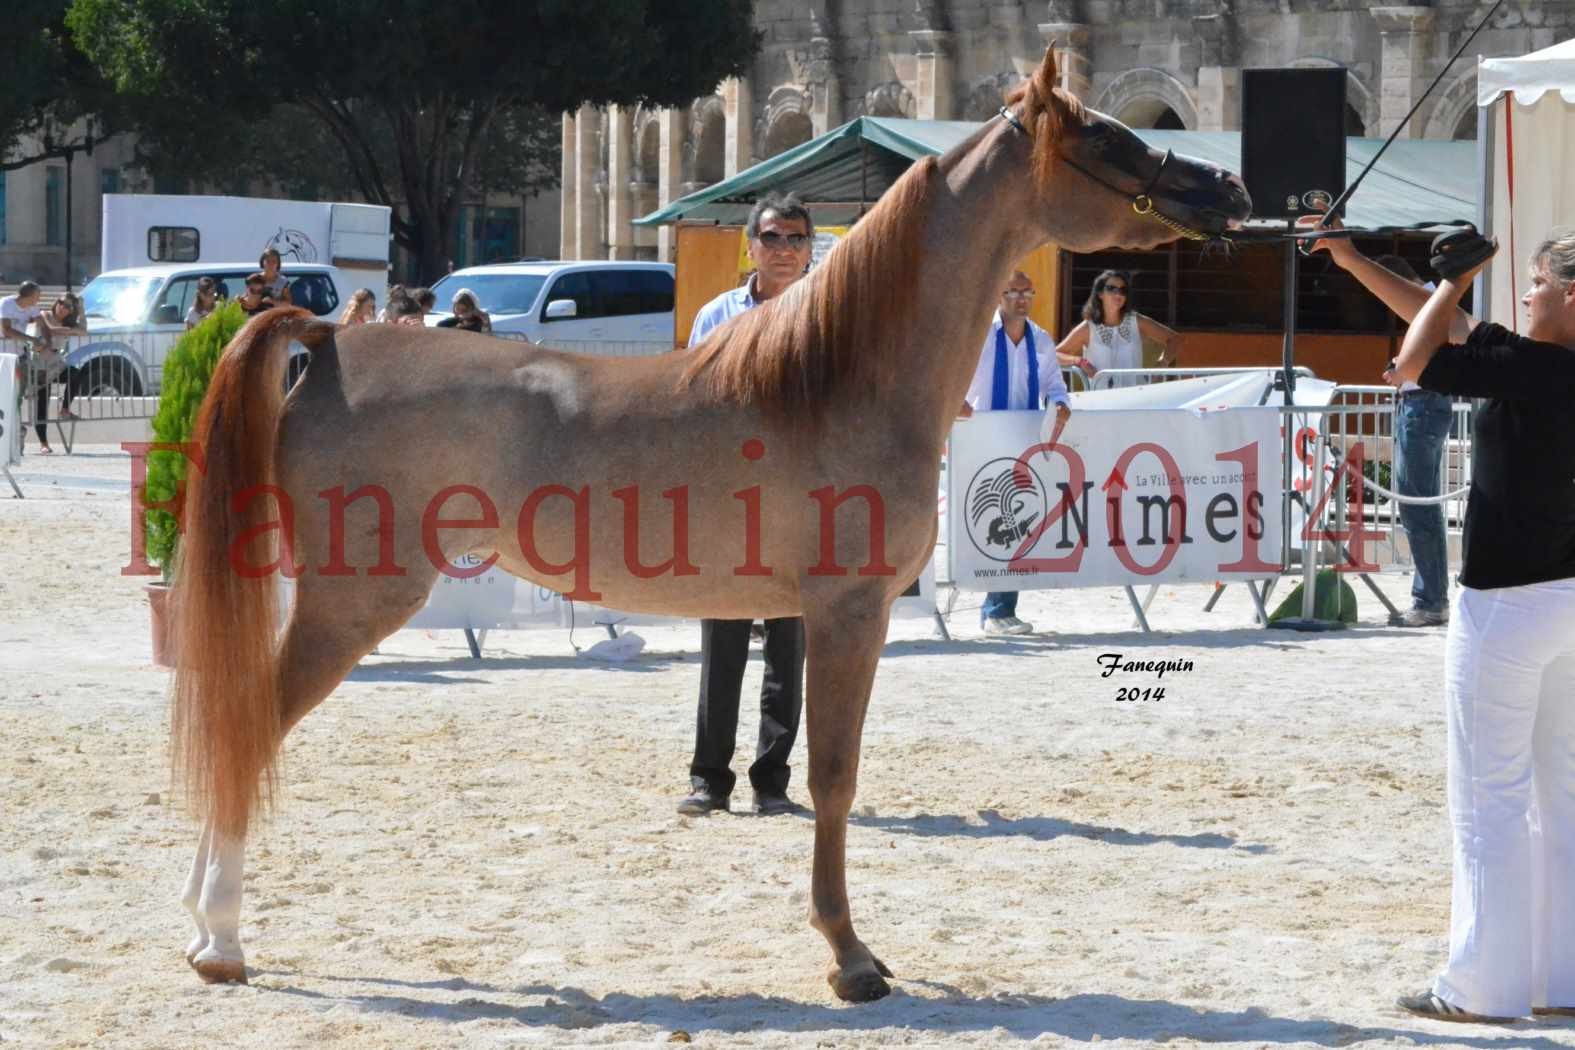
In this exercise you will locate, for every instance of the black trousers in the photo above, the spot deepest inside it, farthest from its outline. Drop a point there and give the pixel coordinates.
(724, 646)
(41, 409)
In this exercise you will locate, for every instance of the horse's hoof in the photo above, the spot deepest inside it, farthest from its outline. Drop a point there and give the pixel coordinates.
(220, 971)
(194, 949)
(861, 986)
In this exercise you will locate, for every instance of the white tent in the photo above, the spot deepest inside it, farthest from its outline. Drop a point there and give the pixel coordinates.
(1526, 132)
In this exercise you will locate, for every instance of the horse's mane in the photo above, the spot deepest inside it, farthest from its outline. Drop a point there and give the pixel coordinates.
(846, 324)
(842, 326)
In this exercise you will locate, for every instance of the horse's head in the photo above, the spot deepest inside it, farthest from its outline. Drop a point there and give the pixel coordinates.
(1104, 187)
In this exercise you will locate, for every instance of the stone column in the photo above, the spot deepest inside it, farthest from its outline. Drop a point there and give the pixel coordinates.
(1073, 57)
(934, 85)
(738, 107)
(1219, 78)
(1401, 73)
(620, 165)
(669, 178)
(568, 243)
(588, 223)
(825, 89)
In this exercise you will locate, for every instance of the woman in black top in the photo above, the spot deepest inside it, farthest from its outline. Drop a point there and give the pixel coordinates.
(1510, 661)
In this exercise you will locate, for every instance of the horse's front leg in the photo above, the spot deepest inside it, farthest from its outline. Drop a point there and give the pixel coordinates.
(842, 645)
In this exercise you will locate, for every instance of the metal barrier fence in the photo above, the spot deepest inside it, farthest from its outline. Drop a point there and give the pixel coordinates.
(1112, 378)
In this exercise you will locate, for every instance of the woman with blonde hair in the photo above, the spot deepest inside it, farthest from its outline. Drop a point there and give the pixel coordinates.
(1509, 660)
(361, 309)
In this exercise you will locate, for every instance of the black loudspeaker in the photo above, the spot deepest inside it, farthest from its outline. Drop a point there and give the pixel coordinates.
(1292, 139)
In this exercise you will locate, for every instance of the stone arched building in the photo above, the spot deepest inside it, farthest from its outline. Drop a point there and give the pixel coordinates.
(1151, 63)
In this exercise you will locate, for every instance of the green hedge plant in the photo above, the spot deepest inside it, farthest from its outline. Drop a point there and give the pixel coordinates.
(187, 371)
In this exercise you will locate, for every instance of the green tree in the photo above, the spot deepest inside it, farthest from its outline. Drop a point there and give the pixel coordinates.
(53, 102)
(413, 94)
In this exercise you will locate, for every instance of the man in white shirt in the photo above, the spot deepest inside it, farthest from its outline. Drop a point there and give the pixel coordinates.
(781, 238)
(1017, 371)
(19, 311)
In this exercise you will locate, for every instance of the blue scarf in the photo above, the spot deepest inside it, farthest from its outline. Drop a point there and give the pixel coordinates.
(1000, 396)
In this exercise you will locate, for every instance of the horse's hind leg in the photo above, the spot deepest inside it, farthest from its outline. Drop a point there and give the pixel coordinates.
(334, 624)
(222, 861)
(192, 895)
(842, 645)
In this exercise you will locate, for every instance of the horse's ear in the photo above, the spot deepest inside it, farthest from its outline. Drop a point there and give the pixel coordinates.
(1047, 73)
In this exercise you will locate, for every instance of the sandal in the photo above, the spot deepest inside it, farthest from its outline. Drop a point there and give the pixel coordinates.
(1431, 1006)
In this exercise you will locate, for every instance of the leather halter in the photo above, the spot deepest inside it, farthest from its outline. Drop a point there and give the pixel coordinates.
(1142, 203)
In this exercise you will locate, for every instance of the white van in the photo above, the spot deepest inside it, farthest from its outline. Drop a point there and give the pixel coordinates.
(135, 315)
(153, 228)
(594, 305)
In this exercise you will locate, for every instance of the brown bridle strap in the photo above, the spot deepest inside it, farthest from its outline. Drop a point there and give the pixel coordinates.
(1142, 203)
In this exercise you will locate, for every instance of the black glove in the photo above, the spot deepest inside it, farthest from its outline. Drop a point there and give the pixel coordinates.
(1455, 253)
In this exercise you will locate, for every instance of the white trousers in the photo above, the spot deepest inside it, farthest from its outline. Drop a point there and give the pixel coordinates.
(1509, 676)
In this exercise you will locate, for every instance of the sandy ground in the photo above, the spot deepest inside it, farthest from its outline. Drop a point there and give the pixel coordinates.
(485, 853)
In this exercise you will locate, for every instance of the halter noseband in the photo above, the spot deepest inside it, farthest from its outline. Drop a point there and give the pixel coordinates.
(1142, 203)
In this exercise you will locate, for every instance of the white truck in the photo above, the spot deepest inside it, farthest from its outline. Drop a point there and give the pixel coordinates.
(155, 247)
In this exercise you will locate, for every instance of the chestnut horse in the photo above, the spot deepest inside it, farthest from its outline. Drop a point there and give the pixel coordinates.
(785, 467)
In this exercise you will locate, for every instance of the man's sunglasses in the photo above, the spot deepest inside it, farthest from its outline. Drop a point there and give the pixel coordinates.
(784, 240)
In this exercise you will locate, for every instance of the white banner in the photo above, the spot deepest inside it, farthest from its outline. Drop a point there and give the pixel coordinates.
(1125, 496)
(11, 387)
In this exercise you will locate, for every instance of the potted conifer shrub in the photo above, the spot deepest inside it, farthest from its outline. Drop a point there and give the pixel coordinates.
(188, 369)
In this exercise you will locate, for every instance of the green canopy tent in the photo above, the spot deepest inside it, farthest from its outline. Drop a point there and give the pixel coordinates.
(843, 171)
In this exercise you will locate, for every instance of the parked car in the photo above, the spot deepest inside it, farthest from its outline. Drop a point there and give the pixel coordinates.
(135, 315)
(627, 307)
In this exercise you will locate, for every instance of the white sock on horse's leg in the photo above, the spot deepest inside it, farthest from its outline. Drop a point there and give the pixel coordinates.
(220, 911)
(193, 893)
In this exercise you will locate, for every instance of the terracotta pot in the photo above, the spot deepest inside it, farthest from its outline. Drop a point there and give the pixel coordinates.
(163, 630)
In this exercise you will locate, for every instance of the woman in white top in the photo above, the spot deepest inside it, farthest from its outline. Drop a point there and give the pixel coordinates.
(1110, 335)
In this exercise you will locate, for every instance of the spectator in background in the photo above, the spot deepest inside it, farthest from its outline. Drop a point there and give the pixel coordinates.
(1422, 419)
(395, 294)
(18, 313)
(361, 309)
(1017, 370)
(278, 288)
(256, 298)
(406, 311)
(425, 298)
(1111, 334)
(60, 322)
(468, 313)
(206, 301)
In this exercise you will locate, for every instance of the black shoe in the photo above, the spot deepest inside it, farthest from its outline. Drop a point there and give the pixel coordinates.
(701, 802)
(774, 805)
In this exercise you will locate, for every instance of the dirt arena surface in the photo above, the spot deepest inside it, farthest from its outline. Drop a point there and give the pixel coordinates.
(486, 853)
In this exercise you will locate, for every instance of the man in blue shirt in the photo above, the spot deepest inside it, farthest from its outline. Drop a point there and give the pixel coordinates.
(780, 237)
(1017, 370)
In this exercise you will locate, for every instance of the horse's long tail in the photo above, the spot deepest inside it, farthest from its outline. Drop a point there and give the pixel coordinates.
(225, 726)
